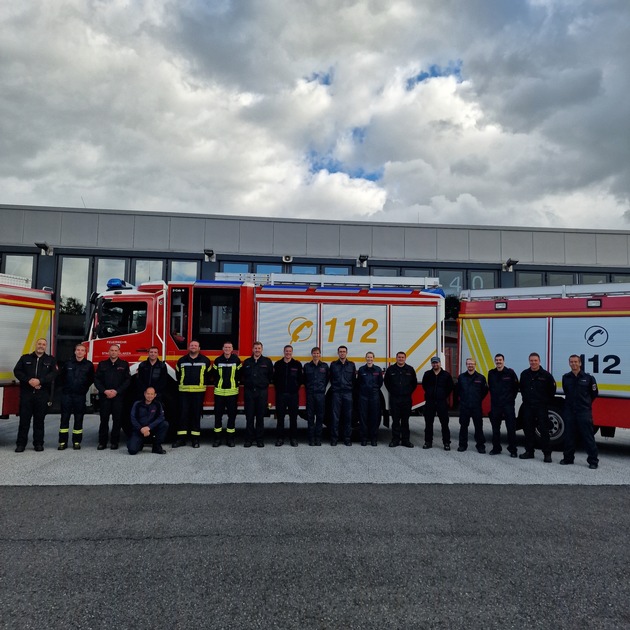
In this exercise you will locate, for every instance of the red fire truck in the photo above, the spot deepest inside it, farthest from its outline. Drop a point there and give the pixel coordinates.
(25, 315)
(588, 320)
(364, 313)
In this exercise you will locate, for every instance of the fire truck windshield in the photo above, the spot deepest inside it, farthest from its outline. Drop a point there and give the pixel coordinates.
(121, 318)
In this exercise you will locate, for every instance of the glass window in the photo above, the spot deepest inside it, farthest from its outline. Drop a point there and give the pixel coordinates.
(384, 271)
(109, 268)
(21, 266)
(184, 270)
(529, 278)
(452, 281)
(621, 277)
(73, 296)
(594, 278)
(268, 268)
(179, 316)
(559, 279)
(148, 270)
(305, 269)
(215, 317)
(121, 318)
(337, 271)
(229, 267)
(417, 273)
(482, 279)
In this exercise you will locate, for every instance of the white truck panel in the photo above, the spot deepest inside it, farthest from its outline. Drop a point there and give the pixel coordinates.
(416, 332)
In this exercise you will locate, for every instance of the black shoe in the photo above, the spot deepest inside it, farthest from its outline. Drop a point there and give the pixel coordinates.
(195, 443)
(62, 446)
(230, 442)
(19, 448)
(39, 448)
(526, 455)
(481, 449)
(177, 443)
(363, 442)
(374, 443)
(394, 443)
(547, 459)
(566, 462)
(408, 444)
(294, 442)
(514, 454)
(347, 443)
(247, 444)
(260, 444)
(158, 450)
(216, 442)
(593, 466)
(102, 447)
(426, 445)
(279, 442)
(311, 442)
(495, 451)
(113, 446)
(447, 447)
(461, 449)
(318, 442)
(76, 446)
(333, 442)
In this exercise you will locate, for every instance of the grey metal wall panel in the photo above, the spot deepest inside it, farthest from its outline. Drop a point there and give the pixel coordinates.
(222, 235)
(115, 231)
(421, 243)
(548, 247)
(485, 245)
(42, 226)
(256, 237)
(187, 235)
(517, 245)
(322, 240)
(580, 248)
(388, 242)
(612, 249)
(78, 230)
(289, 238)
(12, 222)
(152, 233)
(452, 244)
(355, 240)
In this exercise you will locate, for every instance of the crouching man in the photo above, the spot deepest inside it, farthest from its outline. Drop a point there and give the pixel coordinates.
(147, 419)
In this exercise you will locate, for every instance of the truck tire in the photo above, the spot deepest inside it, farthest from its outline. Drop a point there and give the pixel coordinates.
(556, 426)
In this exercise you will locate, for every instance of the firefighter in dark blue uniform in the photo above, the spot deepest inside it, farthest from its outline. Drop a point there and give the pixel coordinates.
(76, 377)
(503, 385)
(147, 420)
(401, 382)
(369, 383)
(580, 390)
(256, 375)
(112, 380)
(342, 376)
(316, 377)
(538, 388)
(287, 379)
(152, 373)
(472, 388)
(438, 386)
(36, 373)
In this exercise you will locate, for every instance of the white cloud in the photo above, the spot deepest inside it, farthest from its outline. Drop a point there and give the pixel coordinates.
(249, 108)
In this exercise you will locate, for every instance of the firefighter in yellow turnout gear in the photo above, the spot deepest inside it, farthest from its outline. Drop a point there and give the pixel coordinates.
(225, 368)
(193, 373)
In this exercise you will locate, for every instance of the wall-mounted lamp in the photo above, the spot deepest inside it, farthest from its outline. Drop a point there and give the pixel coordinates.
(44, 248)
(362, 260)
(209, 255)
(509, 265)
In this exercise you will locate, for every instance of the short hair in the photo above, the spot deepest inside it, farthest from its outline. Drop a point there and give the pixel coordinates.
(228, 342)
(288, 346)
(369, 352)
(316, 349)
(533, 354)
(153, 348)
(148, 388)
(498, 354)
(111, 345)
(79, 345)
(257, 343)
(471, 359)
(576, 356)
(344, 347)
(401, 352)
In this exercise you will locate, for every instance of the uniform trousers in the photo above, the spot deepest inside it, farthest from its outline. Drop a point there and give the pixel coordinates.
(71, 404)
(33, 405)
(430, 410)
(256, 401)
(110, 407)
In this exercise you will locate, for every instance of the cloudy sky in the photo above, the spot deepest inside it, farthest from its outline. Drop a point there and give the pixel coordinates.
(499, 112)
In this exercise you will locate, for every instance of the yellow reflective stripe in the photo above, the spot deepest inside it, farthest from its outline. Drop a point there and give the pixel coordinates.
(196, 433)
(218, 430)
(231, 430)
(77, 431)
(192, 388)
(182, 433)
(64, 430)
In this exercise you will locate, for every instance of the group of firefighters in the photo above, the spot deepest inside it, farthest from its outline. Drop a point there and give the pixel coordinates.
(350, 388)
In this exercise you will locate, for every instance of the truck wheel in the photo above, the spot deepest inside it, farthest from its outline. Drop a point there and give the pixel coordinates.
(556, 427)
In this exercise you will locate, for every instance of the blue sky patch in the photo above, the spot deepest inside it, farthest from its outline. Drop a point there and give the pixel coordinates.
(454, 68)
(323, 78)
(320, 162)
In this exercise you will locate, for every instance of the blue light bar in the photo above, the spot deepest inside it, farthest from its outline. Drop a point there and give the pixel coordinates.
(116, 283)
